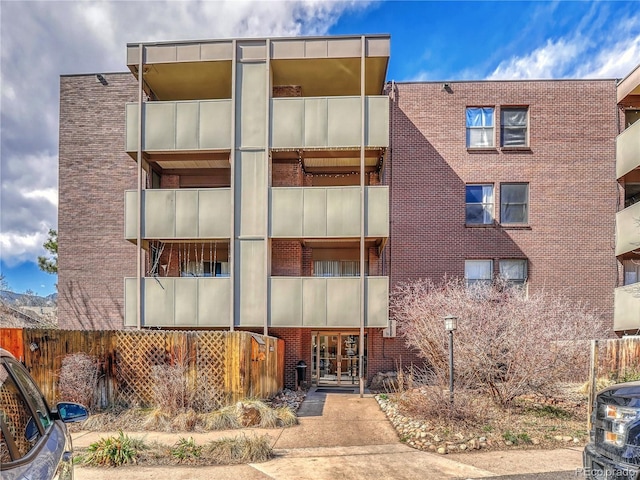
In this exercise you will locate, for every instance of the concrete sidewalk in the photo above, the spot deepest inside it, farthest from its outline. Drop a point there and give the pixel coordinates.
(343, 436)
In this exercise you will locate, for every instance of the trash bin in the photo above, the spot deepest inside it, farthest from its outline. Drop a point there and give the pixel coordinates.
(301, 373)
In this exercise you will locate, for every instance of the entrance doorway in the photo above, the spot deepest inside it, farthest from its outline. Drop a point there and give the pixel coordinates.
(336, 357)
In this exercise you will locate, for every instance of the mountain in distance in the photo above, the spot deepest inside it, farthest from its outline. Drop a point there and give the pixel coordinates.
(14, 299)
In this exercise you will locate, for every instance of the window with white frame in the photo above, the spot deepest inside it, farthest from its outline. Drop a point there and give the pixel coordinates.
(480, 124)
(514, 126)
(479, 204)
(478, 271)
(514, 203)
(631, 271)
(513, 271)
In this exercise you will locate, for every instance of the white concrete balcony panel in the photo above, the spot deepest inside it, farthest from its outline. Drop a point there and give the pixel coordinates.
(327, 302)
(317, 212)
(180, 301)
(628, 150)
(179, 214)
(626, 310)
(328, 122)
(628, 229)
(180, 126)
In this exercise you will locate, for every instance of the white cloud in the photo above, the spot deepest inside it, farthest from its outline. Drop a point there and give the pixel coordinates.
(615, 61)
(549, 61)
(40, 40)
(48, 194)
(19, 248)
(590, 51)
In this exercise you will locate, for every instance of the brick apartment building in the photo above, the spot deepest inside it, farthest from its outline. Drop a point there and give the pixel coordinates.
(285, 189)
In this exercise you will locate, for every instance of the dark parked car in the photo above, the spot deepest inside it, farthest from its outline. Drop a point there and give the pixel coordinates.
(34, 442)
(614, 449)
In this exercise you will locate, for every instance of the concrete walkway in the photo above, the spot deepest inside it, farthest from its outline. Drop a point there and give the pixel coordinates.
(343, 436)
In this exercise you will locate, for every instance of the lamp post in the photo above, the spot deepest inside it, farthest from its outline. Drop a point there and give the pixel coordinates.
(450, 325)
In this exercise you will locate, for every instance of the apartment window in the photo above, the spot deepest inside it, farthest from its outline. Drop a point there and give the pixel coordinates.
(205, 269)
(337, 268)
(514, 203)
(479, 204)
(478, 271)
(513, 127)
(480, 127)
(631, 271)
(513, 271)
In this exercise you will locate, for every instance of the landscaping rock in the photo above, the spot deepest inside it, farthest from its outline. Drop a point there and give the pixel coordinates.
(248, 415)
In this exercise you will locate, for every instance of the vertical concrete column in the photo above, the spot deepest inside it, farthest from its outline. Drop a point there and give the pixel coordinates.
(250, 171)
(139, 296)
(363, 298)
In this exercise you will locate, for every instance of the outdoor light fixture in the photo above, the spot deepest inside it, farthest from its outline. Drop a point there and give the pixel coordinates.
(450, 325)
(101, 79)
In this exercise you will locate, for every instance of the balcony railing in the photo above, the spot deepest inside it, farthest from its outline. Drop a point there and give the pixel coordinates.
(185, 125)
(301, 122)
(308, 212)
(180, 301)
(626, 313)
(628, 229)
(295, 302)
(324, 122)
(328, 302)
(628, 150)
(179, 214)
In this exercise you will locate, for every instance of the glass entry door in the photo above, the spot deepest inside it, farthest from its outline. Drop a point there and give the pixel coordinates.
(335, 358)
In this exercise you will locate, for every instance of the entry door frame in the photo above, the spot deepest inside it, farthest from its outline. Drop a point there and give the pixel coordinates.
(336, 362)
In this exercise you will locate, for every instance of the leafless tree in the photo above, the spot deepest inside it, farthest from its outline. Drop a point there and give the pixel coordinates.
(507, 344)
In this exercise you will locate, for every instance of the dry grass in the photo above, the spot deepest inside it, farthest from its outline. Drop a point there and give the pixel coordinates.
(223, 419)
(226, 418)
(286, 417)
(531, 421)
(240, 449)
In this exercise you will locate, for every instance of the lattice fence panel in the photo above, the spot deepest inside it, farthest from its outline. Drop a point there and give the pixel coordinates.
(137, 353)
(211, 353)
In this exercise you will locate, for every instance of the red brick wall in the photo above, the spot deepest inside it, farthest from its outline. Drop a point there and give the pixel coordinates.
(570, 168)
(287, 174)
(287, 91)
(94, 172)
(170, 181)
(286, 258)
(297, 343)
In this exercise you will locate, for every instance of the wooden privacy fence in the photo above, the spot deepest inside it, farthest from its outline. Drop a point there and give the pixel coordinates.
(617, 359)
(234, 365)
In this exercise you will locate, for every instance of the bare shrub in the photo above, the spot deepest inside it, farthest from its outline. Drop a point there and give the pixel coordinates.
(507, 343)
(175, 390)
(78, 380)
(170, 387)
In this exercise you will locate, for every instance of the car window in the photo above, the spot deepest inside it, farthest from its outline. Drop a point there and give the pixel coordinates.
(15, 416)
(32, 392)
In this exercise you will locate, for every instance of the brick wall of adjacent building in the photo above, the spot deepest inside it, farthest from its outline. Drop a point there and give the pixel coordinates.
(94, 172)
(570, 167)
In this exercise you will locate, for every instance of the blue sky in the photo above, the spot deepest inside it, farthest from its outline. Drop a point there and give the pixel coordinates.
(430, 41)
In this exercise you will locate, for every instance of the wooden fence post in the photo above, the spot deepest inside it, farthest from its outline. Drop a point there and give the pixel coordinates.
(593, 379)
